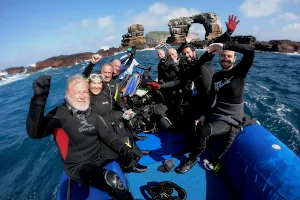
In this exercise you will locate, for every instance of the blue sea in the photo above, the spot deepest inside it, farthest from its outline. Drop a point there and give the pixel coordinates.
(31, 169)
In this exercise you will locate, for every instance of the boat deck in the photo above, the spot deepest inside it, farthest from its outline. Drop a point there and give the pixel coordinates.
(198, 183)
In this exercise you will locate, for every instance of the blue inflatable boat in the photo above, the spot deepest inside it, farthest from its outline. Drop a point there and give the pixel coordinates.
(257, 166)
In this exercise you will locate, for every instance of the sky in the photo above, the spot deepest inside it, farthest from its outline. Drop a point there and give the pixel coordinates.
(34, 30)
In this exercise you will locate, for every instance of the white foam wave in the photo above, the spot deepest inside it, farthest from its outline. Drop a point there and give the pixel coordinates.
(3, 73)
(147, 49)
(252, 106)
(117, 53)
(46, 69)
(11, 79)
(264, 87)
(281, 110)
(293, 54)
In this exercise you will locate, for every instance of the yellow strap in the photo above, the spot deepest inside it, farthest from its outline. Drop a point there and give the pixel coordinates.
(130, 122)
(127, 144)
(117, 91)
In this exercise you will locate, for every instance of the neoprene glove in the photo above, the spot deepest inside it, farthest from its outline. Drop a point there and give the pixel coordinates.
(132, 153)
(153, 85)
(41, 87)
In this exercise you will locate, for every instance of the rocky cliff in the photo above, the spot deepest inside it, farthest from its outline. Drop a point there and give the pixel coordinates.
(70, 60)
(60, 61)
(283, 46)
(15, 70)
(180, 27)
(134, 36)
(249, 39)
(158, 37)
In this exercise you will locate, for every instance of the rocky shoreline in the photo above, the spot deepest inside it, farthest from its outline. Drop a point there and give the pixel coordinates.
(282, 46)
(178, 28)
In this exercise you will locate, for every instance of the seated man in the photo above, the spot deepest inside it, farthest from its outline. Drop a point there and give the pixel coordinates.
(165, 73)
(117, 67)
(80, 133)
(227, 114)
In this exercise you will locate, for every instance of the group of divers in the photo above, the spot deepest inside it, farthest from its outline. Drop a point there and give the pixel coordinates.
(97, 123)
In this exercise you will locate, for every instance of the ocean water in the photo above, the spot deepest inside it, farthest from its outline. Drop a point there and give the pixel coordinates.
(31, 169)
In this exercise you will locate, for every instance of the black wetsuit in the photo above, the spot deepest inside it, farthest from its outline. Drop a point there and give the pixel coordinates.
(165, 71)
(200, 72)
(109, 109)
(111, 89)
(229, 109)
(102, 102)
(81, 137)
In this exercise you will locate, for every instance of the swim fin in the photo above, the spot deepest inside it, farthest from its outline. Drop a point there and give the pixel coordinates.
(127, 88)
(134, 84)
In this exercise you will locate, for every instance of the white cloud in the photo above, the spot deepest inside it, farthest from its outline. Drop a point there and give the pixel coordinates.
(287, 16)
(260, 8)
(157, 16)
(108, 38)
(179, 12)
(158, 9)
(104, 22)
(291, 31)
(292, 28)
(69, 27)
(255, 30)
(86, 23)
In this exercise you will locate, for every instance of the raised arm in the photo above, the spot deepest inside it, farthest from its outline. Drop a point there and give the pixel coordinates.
(38, 125)
(248, 56)
(244, 65)
(88, 70)
(231, 26)
(124, 58)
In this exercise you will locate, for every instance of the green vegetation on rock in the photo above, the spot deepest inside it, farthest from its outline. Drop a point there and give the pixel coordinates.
(158, 34)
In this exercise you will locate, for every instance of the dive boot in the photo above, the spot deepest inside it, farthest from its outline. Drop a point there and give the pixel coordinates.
(138, 168)
(187, 165)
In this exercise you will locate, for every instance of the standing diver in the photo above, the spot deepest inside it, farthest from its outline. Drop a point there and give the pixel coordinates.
(128, 62)
(227, 114)
(80, 134)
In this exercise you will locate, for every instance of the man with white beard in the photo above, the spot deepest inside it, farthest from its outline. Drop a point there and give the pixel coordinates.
(80, 133)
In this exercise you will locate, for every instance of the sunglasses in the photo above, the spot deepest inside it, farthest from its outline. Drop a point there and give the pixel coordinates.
(96, 77)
